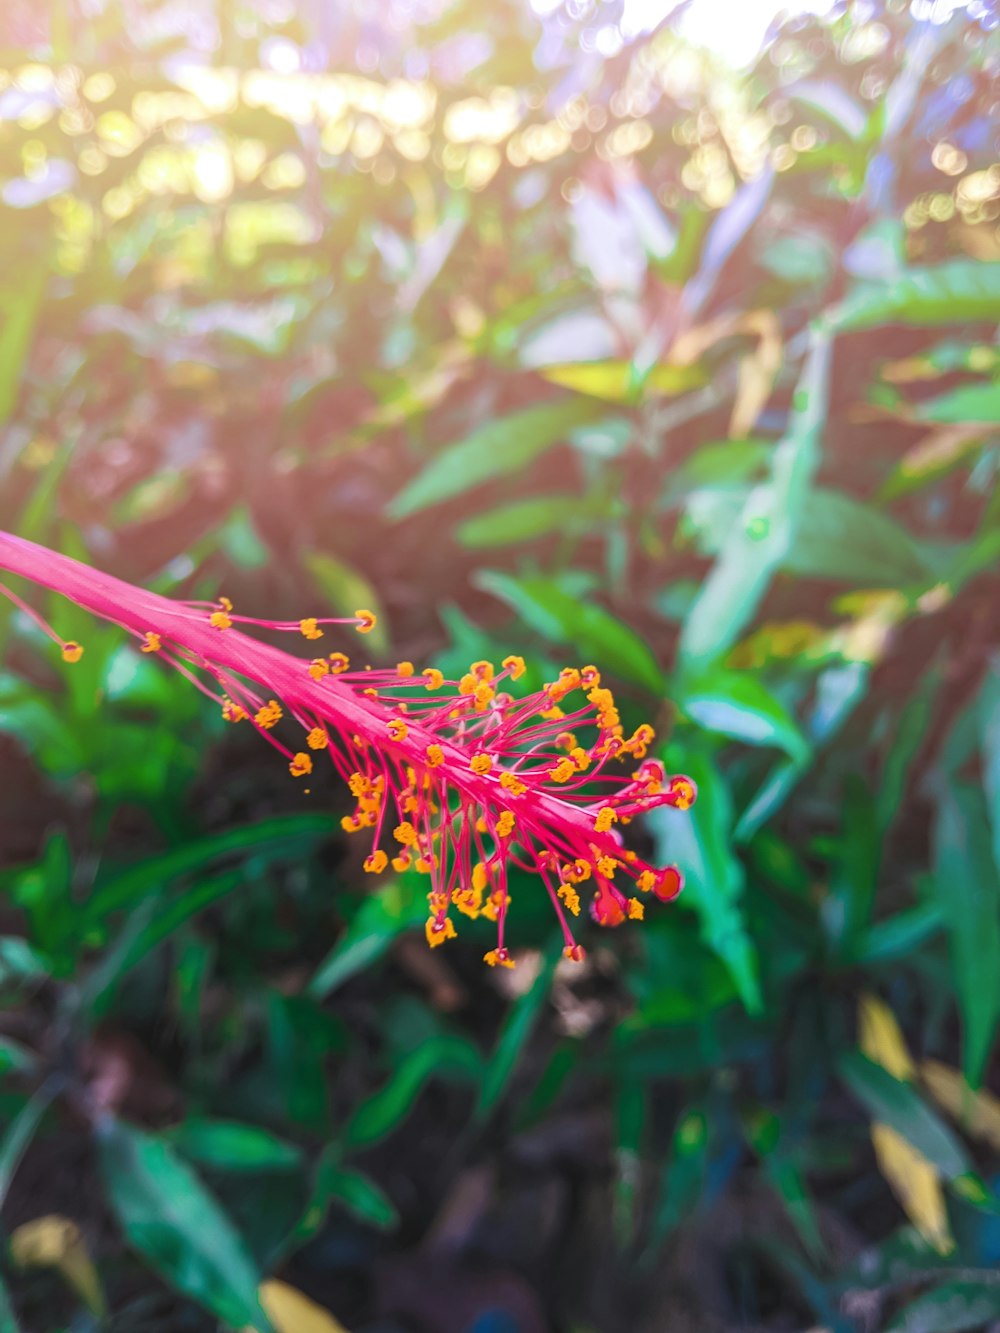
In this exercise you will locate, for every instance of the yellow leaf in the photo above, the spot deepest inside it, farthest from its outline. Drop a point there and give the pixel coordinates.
(915, 1183)
(613, 380)
(911, 1177)
(291, 1312)
(881, 1040)
(976, 1112)
(54, 1241)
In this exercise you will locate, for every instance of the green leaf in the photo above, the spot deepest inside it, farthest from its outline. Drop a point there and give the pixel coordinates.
(346, 590)
(227, 1145)
(8, 1320)
(169, 1216)
(950, 1307)
(737, 704)
(954, 292)
(590, 630)
(968, 887)
(897, 1104)
(21, 1131)
(356, 1191)
(384, 1110)
(989, 715)
(526, 520)
(271, 838)
(761, 540)
(900, 935)
(517, 1028)
(700, 841)
(967, 402)
(683, 1178)
(839, 538)
(498, 448)
(396, 907)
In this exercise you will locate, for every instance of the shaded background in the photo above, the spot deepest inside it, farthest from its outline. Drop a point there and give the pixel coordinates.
(545, 330)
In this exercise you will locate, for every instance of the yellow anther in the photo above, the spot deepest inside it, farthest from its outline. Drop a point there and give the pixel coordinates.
(577, 871)
(439, 931)
(152, 642)
(590, 677)
(636, 910)
(552, 714)
(359, 785)
(566, 741)
(225, 603)
(317, 739)
(575, 953)
(467, 901)
(404, 669)
(220, 620)
(467, 684)
(309, 629)
(607, 865)
(483, 671)
(481, 764)
(232, 712)
(434, 679)
(367, 620)
(605, 818)
(397, 729)
(405, 833)
(505, 824)
(569, 679)
(483, 695)
(376, 862)
(370, 692)
(319, 667)
(72, 651)
(269, 715)
(570, 897)
(512, 784)
(515, 665)
(425, 864)
(498, 958)
(480, 877)
(646, 881)
(580, 758)
(401, 863)
(434, 755)
(301, 765)
(339, 663)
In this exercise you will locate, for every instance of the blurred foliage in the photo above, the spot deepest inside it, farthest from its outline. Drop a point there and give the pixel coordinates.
(610, 357)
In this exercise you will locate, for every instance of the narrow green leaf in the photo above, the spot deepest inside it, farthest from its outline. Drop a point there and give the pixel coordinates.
(700, 841)
(526, 520)
(761, 540)
(227, 1145)
(897, 1104)
(514, 1034)
(385, 1109)
(169, 1216)
(269, 838)
(954, 292)
(968, 887)
(738, 704)
(950, 1308)
(966, 402)
(21, 1131)
(397, 906)
(346, 591)
(590, 630)
(496, 449)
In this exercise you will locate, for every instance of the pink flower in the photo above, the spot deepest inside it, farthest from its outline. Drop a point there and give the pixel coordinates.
(458, 779)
